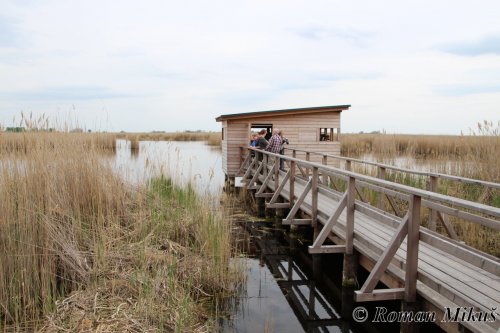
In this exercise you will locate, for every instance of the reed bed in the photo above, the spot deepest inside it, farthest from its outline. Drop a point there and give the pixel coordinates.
(82, 250)
(472, 156)
(212, 138)
(33, 141)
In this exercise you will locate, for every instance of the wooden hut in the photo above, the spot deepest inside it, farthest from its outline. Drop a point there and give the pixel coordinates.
(314, 129)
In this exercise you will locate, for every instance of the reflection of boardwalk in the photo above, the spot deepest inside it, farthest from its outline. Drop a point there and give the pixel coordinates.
(308, 303)
(411, 260)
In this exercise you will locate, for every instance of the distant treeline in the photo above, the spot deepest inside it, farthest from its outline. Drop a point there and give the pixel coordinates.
(23, 129)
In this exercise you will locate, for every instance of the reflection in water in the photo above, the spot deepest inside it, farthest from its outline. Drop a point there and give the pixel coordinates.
(285, 290)
(185, 162)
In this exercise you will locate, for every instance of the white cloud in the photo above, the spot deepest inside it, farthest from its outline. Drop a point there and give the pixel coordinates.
(163, 65)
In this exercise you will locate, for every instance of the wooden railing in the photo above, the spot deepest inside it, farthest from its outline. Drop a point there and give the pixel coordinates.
(263, 172)
(432, 184)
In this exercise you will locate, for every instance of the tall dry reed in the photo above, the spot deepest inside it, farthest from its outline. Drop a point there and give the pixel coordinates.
(472, 156)
(89, 252)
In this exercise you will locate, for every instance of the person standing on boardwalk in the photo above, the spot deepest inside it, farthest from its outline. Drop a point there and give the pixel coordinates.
(262, 143)
(276, 142)
(276, 145)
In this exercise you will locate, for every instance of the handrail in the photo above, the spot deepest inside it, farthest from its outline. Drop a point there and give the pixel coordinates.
(466, 204)
(259, 178)
(416, 172)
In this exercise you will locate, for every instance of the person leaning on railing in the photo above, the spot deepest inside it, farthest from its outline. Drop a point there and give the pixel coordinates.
(276, 144)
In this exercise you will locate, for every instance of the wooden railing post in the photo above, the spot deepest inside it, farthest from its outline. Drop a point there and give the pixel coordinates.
(265, 160)
(324, 161)
(314, 194)
(412, 249)
(381, 175)
(308, 159)
(242, 151)
(351, 196)
(292, 182)
(276, 172)
(433, 187)
(348, 165)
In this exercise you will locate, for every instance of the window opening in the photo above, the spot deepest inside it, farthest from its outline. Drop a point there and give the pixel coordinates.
(329, 134)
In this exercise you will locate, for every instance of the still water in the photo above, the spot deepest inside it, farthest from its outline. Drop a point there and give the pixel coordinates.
(185, 162)
(286, 289)
(279, 294)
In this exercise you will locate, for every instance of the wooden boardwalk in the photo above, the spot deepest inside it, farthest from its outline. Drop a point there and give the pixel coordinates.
(415, 263)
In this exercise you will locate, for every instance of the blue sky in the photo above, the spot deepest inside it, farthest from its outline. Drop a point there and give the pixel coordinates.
(430, 67)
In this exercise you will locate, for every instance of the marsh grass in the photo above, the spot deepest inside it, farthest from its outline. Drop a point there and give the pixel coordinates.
(82, 250)
(472, 156)
(33, 141)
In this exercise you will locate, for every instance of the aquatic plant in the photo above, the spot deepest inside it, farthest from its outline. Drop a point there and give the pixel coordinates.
(80, 249)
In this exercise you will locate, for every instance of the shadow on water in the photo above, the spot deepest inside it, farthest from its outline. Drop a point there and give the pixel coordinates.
(287, 289)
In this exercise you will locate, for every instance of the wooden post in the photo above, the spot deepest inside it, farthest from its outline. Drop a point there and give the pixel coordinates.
(261, 201)
(350, 266)
(265, 160)
(409, 303)
(242, 151)
(314, 194)
(348, 165)
(351, 196)
(308, 159)
(349, 283)
(276, 172)
(408, 326)
(433, 187)
(324, 161)
(412, 249)
(292, 182)
(381, 175)
(316, 266)
(279, 211)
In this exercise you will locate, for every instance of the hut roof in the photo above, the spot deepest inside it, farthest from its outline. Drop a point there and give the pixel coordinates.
(257, 114)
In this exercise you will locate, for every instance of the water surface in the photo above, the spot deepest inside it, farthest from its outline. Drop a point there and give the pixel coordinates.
(186, 162)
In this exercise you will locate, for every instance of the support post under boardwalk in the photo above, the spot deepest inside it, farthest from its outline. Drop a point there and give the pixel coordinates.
(261, 206)
(410, 326)
(409, 303)
(316, 266)
(349, 283)
(280, 211)
(350, 266)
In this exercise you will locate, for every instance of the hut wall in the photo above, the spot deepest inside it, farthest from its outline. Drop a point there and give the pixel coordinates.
(301, 130)
(237, 135)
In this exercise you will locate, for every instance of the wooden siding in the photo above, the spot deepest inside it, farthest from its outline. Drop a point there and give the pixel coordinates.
(237, 135)
(224, 147)
(301, 130)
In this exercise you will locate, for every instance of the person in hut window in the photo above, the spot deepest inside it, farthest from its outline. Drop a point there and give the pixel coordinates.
(255, 140)
(262, 143)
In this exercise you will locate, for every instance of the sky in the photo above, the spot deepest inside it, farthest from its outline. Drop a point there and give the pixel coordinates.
(422, 67)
